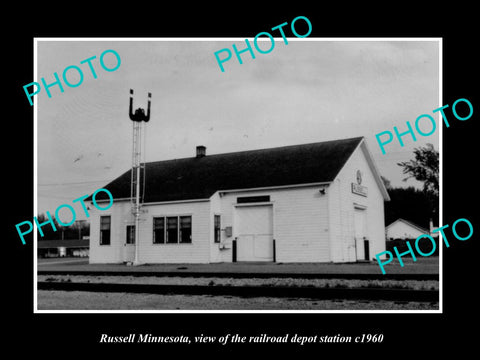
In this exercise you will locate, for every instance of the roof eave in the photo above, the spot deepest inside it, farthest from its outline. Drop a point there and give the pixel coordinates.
(373, 167)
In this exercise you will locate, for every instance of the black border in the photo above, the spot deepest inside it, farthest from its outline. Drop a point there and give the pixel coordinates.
(404, 333)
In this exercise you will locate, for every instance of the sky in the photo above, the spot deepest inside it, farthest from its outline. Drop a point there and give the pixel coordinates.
(310, 90)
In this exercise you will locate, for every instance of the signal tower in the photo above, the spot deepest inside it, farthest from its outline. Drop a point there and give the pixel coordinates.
(138, 118)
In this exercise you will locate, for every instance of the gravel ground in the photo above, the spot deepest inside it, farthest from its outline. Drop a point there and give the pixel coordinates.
(212, 281)
(79, 300)
(423, 265)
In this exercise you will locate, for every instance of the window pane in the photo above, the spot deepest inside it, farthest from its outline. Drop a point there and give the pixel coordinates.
(130, 234)
(104, 237)
(104, 230)
(158, 223)
(252, 199)
(217, 228)
(185, 221)
(172, 230)
(159, 230)
(104, 222)
(185, 229)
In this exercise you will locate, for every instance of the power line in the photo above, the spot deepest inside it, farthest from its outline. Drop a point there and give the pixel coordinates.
(54, 197)
(74, 183)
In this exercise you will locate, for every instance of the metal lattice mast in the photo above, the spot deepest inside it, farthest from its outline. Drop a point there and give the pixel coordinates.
(136, 165)
(136, 203)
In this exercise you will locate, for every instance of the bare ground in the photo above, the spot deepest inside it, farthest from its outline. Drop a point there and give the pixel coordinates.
(78, 300)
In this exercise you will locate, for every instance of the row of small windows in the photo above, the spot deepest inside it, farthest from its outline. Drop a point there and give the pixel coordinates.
(172, 230)
(166, 230)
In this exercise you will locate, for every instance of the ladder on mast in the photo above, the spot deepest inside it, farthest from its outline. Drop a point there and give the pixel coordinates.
(138, 117)
(138, 169)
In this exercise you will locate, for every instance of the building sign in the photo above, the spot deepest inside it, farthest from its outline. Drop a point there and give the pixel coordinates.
(358, 188)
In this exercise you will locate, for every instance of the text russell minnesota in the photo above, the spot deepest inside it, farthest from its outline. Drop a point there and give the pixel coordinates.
(131, 338)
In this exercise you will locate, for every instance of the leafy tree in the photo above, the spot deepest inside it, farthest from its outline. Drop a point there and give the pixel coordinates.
(423, 168)
(48, 232)
(75, 231)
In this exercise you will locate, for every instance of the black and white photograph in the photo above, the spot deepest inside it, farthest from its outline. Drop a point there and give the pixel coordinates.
(260, 187)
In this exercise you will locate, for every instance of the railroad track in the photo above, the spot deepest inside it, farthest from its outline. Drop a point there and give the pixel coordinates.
(243, 275)
(367, 293)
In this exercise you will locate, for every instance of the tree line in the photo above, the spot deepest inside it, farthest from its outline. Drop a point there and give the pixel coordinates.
(76, 231)
(416, 205)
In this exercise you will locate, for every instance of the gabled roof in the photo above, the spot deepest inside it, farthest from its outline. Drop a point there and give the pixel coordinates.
(200, 177)
(375, 172)
(415, 226)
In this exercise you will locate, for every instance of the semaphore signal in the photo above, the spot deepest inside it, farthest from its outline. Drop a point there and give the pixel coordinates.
(138, 118)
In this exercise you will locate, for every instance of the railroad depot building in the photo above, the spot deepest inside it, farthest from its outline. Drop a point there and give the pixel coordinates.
(319, 202)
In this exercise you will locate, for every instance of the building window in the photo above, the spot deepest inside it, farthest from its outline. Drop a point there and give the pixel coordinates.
(253, 199)
(216, 228)
(185, 229)
(105, 230)
(172, 230)
(130, 234)
(159, 230)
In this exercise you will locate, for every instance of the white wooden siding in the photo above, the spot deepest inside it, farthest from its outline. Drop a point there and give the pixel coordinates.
(307, 226)
(196, 252)
(216, 253)
(113, 253)
(342, 204)
(300, 223)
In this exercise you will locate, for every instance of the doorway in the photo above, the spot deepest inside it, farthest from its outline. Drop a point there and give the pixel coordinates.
(362, 246)
(255, 233)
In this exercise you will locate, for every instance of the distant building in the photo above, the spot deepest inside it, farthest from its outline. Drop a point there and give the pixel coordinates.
(62, 248)
(403, 229)
(318, 202)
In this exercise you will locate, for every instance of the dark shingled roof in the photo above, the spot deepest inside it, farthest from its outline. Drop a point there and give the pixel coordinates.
(200, 178)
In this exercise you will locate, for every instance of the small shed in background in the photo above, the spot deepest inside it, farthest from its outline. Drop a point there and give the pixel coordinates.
(403, 229)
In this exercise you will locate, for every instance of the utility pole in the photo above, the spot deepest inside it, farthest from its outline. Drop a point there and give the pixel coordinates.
(138, 118)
